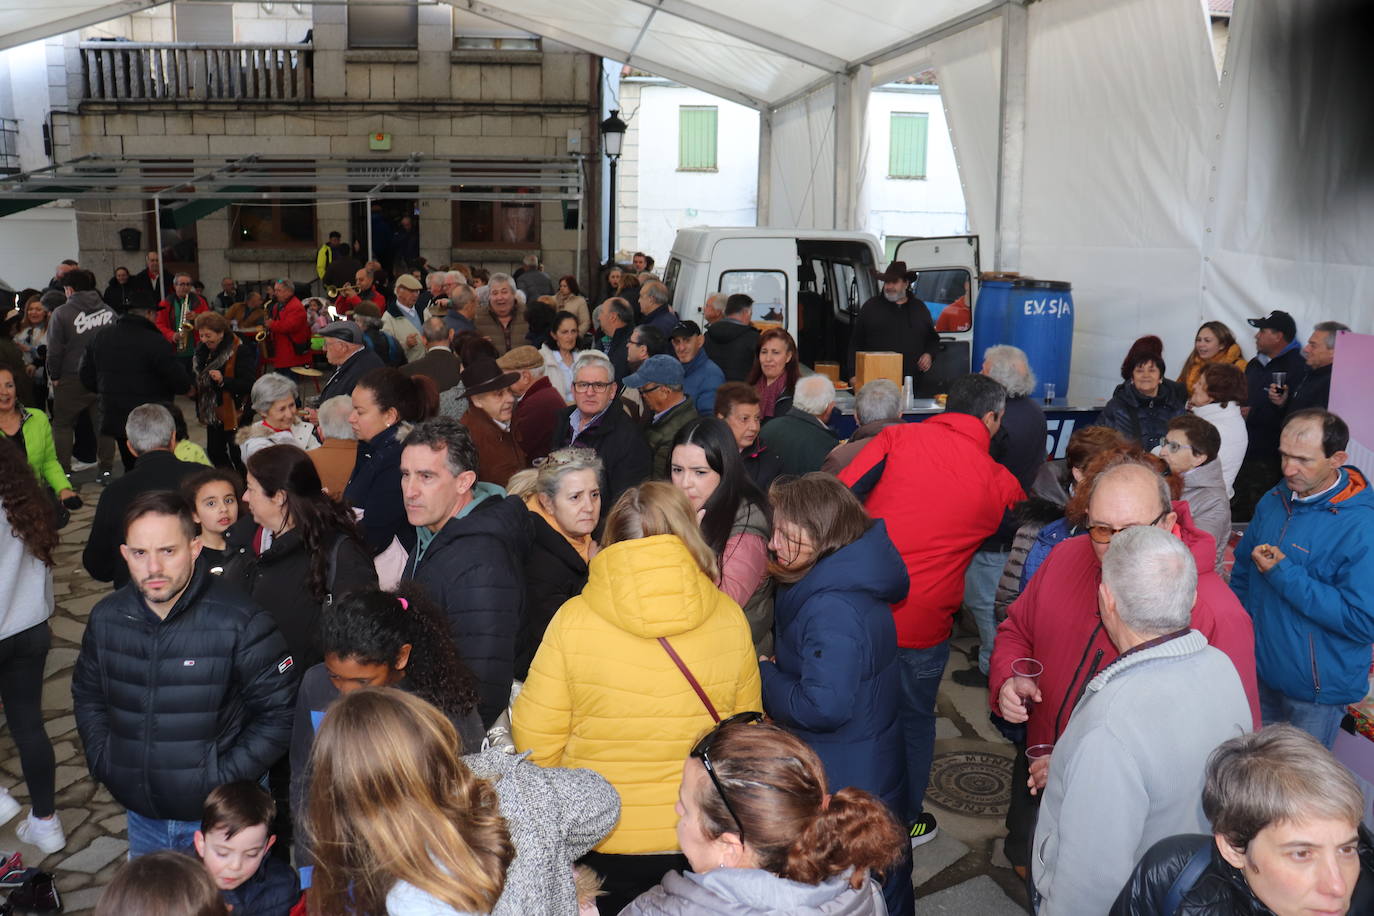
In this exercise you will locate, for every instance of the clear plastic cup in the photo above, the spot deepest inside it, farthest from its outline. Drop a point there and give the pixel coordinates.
(1049, 393)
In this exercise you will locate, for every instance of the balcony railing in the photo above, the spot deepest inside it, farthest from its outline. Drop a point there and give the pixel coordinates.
(120, 71)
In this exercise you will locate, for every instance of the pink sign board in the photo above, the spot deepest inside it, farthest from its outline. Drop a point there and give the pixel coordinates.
(1352, 380)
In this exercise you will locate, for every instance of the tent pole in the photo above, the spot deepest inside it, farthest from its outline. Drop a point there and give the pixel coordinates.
(1011, 144)
(367, 215)
(157, 230)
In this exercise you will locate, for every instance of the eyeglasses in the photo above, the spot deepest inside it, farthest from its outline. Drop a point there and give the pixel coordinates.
(1103, 534)
(1174, 447)
(591, 386)
(565, 456)
(702, 752)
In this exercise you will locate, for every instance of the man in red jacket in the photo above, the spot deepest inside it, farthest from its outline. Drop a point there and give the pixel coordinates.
(1056, 622)
(941, 495)
(289, 329)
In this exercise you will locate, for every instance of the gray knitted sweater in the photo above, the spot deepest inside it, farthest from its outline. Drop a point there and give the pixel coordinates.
(554, 816)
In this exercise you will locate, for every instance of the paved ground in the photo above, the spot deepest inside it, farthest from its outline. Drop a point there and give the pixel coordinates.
(957, 873)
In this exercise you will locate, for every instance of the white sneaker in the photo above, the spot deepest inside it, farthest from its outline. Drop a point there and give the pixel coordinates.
(78, 465)
(8, 806)
(46, 835)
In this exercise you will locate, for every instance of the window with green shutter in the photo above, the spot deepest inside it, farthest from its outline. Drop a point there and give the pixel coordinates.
(696, 145)
(907, 146)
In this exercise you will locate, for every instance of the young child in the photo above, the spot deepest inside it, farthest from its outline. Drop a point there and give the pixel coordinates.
(186, 450)
(214, 494)
(233, 841)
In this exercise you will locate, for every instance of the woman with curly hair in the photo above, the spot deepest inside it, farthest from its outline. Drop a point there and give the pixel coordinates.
(400, 824)
(305, 551)
(28, 536)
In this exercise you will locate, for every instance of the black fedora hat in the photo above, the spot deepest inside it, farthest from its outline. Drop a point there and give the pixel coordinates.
(896, 271)
(483, 375)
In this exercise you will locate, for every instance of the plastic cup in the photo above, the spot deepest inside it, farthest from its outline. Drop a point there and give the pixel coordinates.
(1039, 751)
(1049, 393)
(1025, 674)
(1277, 379)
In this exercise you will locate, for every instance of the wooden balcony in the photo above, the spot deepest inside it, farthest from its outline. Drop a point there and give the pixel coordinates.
(127, 71)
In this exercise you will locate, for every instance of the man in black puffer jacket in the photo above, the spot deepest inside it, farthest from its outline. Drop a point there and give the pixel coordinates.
(470, 541)
(1287, 838)
(183, 683)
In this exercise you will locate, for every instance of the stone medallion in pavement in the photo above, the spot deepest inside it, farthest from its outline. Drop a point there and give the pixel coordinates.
(976, 783)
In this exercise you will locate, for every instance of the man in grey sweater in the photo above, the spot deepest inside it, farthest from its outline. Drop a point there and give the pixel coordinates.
(73, 326)
(1129, 769)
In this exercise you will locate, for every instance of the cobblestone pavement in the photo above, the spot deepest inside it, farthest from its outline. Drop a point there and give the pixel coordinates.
(960, 872)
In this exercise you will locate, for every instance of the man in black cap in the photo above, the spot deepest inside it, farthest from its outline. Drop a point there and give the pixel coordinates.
(343, 347)
(896, 320)
(1277, 367)
(701, 377)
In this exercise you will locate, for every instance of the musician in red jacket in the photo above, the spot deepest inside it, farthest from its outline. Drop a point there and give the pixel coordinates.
(181, 307)
(941, 495)
(364, 290)
(289, 343)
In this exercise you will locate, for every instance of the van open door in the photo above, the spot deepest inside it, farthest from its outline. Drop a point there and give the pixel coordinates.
(947, 283)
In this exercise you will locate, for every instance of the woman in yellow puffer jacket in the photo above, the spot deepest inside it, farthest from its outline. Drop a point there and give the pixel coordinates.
(604, 693)
(1214, 343)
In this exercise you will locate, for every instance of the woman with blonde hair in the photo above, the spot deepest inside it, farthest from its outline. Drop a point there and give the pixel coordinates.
(563, 493)
(1213, 345)
(651, 650)
(399, 824)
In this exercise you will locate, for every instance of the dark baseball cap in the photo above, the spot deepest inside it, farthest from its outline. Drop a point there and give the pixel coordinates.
(1276, 321)
(685, 329)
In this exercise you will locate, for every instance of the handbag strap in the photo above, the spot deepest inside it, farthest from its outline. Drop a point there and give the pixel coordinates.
(686, 672)
(1186, 878)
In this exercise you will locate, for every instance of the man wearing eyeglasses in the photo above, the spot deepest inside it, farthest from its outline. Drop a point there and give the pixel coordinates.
(597, 422)
(1056, 619)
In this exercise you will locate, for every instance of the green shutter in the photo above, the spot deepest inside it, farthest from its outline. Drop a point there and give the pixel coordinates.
(907, 147)
(696, 145)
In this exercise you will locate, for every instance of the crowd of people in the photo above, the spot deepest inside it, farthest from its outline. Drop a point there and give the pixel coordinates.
(538, 606)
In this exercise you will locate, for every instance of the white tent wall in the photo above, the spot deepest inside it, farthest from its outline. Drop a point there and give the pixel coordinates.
(1293, 214)
(801, 182)
(968, 67)
(1119, 103)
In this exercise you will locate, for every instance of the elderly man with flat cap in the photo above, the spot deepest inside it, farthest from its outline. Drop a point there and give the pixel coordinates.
(343, 348)
(896, 320)
(403, 320)
(537, 403)
(491, 407)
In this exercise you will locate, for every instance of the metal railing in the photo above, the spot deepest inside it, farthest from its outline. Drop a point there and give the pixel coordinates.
(119, 71)
(9, 146)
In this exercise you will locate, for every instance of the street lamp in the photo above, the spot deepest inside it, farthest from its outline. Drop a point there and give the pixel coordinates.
(612, 136)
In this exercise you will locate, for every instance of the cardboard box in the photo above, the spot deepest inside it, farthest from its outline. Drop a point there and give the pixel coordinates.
(872, 364)
(829, 370)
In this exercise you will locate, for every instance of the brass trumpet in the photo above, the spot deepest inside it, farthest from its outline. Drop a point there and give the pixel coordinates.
(261, 335)
(334, 292)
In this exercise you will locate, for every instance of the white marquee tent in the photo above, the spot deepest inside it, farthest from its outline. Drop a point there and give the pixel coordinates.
(1110, 155)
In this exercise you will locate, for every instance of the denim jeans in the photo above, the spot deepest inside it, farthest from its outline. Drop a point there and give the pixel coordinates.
(980, 596)
(150, 834)
(1320, 720)
(921, 670)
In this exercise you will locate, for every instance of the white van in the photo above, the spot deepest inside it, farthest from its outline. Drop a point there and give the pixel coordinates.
(813, 283)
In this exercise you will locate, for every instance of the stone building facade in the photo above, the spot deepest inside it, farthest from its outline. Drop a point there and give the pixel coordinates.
(442, 97)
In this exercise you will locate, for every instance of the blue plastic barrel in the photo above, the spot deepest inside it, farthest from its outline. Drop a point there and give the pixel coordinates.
(990, 324)
(1035, 315)
(1041, 316)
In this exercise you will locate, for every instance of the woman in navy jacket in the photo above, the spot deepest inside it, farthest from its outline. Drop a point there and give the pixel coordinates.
(834, 681)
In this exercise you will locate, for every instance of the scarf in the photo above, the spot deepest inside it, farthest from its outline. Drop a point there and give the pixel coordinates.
(769, 392)
(582, 545)
(208, 393)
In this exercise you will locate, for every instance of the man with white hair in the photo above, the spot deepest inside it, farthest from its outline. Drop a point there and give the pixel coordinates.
(1019, 446)
(595, 421)
(338, 451)
(531, 280)
(503, 320)
(801, 437)
(151, 438)
(877, 405)
(434, 290)
(1129, 769)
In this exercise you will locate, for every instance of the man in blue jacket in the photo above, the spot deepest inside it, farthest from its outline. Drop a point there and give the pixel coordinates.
(1305, 573)
(701, 377)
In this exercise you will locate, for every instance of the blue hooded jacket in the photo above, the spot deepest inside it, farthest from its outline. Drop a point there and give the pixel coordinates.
(835, 683)
(1314, 610)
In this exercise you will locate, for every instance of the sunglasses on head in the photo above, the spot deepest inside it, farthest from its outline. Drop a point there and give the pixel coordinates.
(702, 751)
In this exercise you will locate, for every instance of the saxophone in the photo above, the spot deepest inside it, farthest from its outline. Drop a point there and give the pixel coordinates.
(183, 336)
